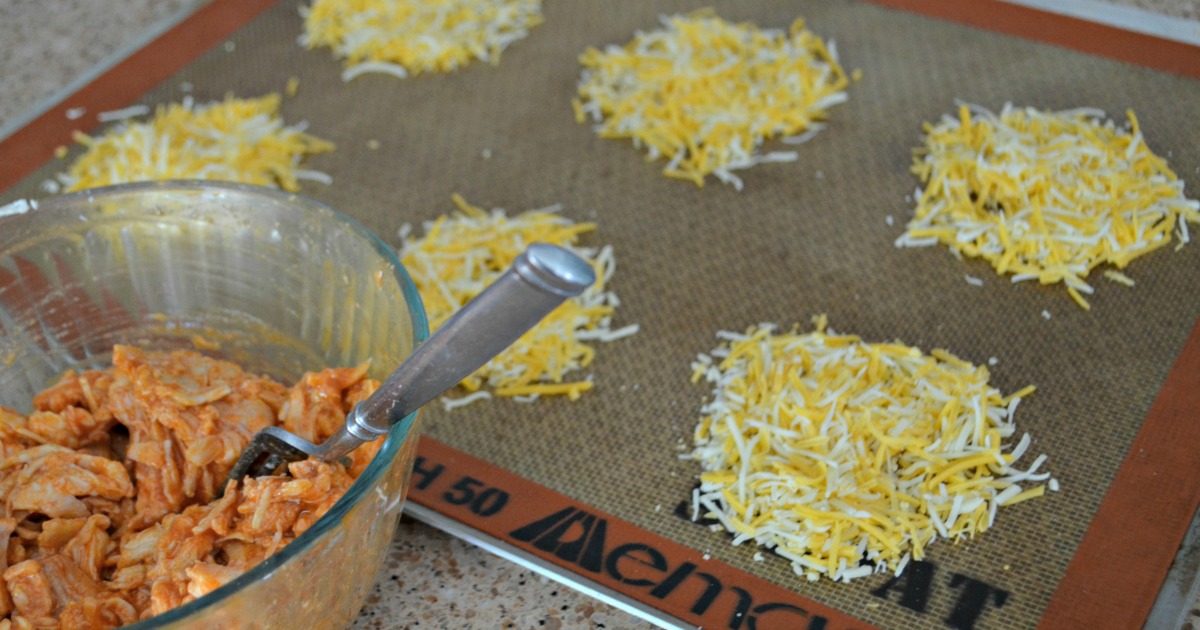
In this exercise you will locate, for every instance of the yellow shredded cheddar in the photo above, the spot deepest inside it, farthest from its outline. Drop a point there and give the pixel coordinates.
(239, 140)
(850, 458)
(461, 254)
(408, 37)
(704, 93)
(1046, 196)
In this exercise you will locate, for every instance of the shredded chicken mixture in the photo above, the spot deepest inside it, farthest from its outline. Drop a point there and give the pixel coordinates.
(109, 512)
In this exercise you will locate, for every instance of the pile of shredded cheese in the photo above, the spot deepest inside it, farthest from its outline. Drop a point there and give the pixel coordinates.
(460, 255)
(239, 140)
(1045, 196)
(849, 458)
(403, 37)
(704, 93)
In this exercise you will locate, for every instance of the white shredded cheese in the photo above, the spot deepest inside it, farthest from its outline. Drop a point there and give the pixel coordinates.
(834, 452)
(809, 134)
(704, 93)
(408, 37)
(240, 140)
(20, 206)
(1045, 195)
(313, 176)
(379, 67)
(121, 114)
(454, 403)
(461, 254)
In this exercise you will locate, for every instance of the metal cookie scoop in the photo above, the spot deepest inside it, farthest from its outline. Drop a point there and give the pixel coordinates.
(538, 281)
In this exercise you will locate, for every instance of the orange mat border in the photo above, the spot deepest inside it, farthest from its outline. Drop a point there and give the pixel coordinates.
(33, 145)
(1061, 30)
(661, 573)
(1117, 570)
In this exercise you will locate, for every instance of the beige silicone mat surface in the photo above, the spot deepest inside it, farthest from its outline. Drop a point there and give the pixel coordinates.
(803, 238)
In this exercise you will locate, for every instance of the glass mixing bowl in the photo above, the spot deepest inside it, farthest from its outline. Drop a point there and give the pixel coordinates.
(274, 281)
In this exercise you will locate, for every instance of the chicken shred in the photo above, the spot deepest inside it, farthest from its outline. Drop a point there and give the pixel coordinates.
(108, 508)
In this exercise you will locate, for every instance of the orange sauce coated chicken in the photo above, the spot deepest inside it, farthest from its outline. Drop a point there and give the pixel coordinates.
(108, 509)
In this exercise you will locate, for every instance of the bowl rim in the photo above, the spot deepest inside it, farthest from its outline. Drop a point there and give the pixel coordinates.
(396, 437)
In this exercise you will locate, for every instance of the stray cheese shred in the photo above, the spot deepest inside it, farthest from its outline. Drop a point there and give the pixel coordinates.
(850, 458)
(408, 37)
(1045, 196)
(461, 254)
(704, 93)
(238, 140)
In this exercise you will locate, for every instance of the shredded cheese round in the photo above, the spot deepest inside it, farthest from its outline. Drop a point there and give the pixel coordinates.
(460, 255)
(704, 93)
(849, 458)
(1045, 195)
(403, 37)
(239, 140)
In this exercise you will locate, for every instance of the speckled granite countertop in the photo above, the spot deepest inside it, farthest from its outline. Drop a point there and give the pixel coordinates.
(430, 579)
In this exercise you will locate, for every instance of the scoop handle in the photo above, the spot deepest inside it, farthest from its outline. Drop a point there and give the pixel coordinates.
(539, 280)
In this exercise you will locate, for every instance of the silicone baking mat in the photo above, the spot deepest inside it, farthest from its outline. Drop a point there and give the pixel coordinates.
(594, 486)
